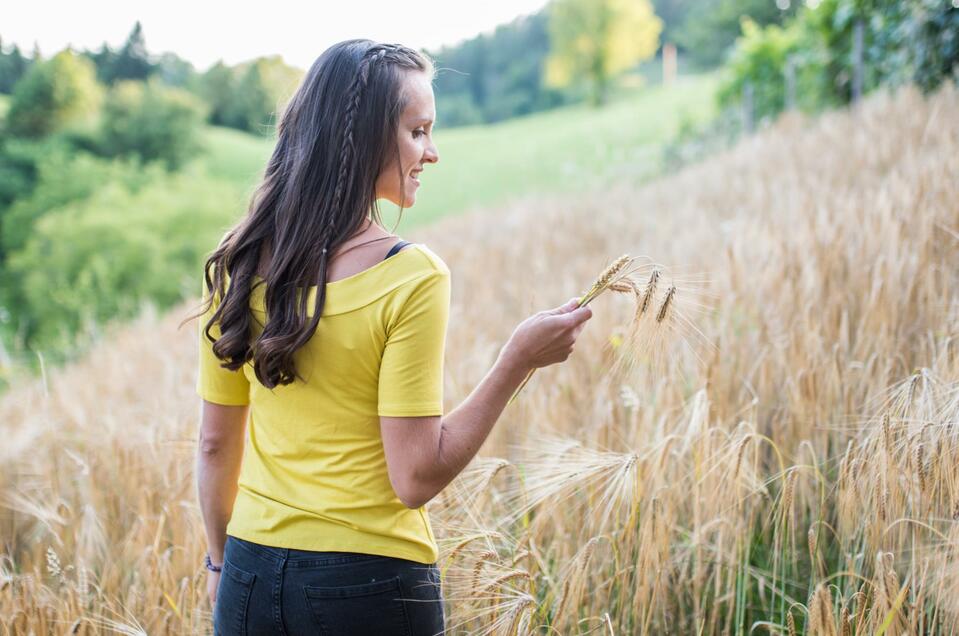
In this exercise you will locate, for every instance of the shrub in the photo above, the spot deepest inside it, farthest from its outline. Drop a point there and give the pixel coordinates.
(53, 94)
(101, 258)
(152, 122)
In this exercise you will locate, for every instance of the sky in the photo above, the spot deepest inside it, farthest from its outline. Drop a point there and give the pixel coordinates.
(203, 31)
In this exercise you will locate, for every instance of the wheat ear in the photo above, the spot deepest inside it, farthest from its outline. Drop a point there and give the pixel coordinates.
(601, 284)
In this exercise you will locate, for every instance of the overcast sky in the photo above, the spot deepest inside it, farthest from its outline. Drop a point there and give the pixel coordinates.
(203, 31)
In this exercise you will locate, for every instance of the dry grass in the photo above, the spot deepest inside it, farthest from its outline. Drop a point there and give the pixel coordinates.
(799, 477)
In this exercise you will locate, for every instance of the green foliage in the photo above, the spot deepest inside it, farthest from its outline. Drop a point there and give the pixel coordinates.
(710, 27)
(172, 70)
(249, 96)
(934, 34)
(130, 62)
(496, 76)
(152, 122)
(902, 41)
(673, 13)
(251, 106)
(760, 60)
(216, 88)
(56, 93)
(101, 258)
(59, 176)
(599, 39)
(13, 66)
(18, 173)
(50, 176)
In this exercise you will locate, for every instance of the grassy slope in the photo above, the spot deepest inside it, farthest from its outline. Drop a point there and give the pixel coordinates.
(567, 149)
(4, 105)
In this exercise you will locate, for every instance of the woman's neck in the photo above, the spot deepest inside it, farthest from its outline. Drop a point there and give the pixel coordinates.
(369, 232)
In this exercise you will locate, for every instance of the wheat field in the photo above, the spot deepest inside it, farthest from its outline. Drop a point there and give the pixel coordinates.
(789, 468)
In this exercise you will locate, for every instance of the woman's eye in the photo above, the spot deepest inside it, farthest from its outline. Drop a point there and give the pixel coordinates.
(418, 132)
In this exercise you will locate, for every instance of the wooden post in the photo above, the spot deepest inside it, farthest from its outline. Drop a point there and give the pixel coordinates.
(669, 63)
(748, 107)
(857, 61)
(790, 83)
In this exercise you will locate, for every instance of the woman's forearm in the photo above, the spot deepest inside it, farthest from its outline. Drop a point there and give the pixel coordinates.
(218, 469)
(464, 429)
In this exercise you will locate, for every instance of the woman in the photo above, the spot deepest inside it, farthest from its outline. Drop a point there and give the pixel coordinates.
(322, 528)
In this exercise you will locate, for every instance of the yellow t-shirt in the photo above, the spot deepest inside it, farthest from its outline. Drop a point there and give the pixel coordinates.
(314, 473)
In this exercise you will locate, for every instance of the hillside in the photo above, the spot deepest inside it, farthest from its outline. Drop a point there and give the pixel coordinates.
(568, 149)
(620, 141)
(804, 471)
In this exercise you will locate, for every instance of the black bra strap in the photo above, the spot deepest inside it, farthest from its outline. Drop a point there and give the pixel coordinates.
(396, 248)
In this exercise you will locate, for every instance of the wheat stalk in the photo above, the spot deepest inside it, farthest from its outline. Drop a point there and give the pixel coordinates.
(607, 278)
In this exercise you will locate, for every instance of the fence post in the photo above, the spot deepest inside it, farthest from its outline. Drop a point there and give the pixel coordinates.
(669, 63)
(748, 107)
(857, 61)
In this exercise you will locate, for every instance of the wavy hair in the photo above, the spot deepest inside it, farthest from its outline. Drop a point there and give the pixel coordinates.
(335, 136)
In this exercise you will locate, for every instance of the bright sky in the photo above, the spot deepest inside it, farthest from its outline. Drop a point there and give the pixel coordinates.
(203, 31)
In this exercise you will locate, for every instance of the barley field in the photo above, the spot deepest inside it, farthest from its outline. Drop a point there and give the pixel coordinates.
(789, 465)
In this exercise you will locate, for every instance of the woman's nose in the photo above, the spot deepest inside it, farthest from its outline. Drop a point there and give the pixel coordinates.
(431, 155)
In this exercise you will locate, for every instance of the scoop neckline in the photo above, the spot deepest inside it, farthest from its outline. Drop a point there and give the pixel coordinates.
(360, 273)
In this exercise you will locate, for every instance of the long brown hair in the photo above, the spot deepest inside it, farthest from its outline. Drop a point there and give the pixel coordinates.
(336, 135)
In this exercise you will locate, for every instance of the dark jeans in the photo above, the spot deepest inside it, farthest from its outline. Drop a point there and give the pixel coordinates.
(267, 590)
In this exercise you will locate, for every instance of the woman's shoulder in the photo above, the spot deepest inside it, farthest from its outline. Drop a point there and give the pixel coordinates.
(430, 261)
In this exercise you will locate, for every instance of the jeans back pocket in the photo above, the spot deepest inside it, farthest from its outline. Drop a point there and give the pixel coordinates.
(376, 607)
(232, 601)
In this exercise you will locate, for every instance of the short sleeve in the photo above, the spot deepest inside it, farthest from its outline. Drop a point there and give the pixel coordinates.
(411, 372)
(215, 383)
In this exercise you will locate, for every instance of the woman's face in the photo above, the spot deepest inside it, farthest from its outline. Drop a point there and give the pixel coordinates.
(415, 142)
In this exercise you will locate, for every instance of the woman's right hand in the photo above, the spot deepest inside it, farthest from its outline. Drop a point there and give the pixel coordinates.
(212, 585)
(548, 336)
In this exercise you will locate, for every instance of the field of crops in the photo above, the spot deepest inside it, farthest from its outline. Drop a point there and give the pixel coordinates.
(790, 465)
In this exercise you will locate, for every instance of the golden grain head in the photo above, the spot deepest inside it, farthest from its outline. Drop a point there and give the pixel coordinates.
(667, 302)
(649, 291)
(614, 268)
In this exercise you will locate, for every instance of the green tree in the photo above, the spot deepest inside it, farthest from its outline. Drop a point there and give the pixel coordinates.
(174, 71)
(151, 121)
(251, 106)
(496, 75)
(248, 96)
(759, 59)
(53, 94)
(598, 39)
(934, 55)
(104, 59)
(673, 14)
(132, 60)
(13, 66)
(44, 176)
(100, 258)
(711, 27)
(260, 87)
(215, 86)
